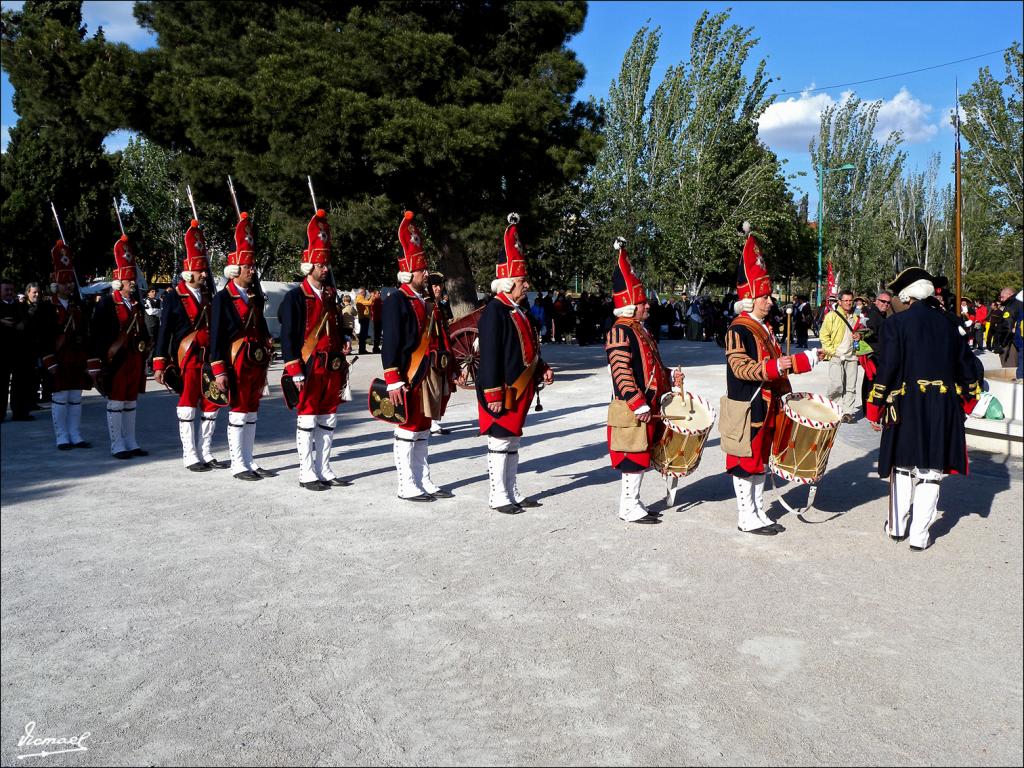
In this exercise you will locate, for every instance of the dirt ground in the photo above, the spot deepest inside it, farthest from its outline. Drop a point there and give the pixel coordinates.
(193, 619)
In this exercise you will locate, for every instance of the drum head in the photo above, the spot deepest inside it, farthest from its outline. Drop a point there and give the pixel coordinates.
(687, 414)
(813, 410)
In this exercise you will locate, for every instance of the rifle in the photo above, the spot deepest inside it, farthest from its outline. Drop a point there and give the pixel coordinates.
(60, 231)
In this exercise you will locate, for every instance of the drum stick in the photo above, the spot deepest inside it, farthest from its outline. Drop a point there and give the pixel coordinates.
(789, 326)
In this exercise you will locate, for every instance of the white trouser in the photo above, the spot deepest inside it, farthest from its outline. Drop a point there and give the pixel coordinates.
(757, 488)
(249, 441)
(502, 464)
(236, 442)
(512, 471)
(324, 442)
(406, 447)
(187, 433)
(304, 441)
(436, 427)
(746, 504)
(129, 425)
(208, 424)
(421, 461)
(59, 414)
(630, 506)
(74, 411)
(842, 384)
(913, 503)
(115, 425)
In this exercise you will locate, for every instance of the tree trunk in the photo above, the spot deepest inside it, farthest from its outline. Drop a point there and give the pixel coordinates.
(454, 264)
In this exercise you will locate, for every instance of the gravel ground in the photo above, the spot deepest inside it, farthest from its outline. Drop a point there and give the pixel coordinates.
(192, 619)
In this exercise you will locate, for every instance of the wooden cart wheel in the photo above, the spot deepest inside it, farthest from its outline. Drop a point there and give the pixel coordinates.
(468, 356)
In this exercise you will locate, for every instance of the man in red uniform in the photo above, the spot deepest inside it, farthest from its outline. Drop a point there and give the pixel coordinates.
(417, 360)
(639, 379)
(240, 346)
(756, 373)
(120, 341)
(65, 351)
(314, 349)
(510, 369)
(184, 340)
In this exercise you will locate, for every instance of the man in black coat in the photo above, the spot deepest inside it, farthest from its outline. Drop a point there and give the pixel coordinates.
(926, 381)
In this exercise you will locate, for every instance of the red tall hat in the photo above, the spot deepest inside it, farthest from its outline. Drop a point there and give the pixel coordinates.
(513, 262)
(63, 263)
(318, 239)
(752, 278)
(626, 287)
(413, 257)
(243, 253)
(124, 259)
(195, 249)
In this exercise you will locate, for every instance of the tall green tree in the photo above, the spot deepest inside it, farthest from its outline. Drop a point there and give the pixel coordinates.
(460, 112)
(858, 235)
(993, 126)
(682, 166)
(62, 82)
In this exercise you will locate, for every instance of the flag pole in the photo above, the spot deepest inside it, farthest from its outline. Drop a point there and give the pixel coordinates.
(958, 242)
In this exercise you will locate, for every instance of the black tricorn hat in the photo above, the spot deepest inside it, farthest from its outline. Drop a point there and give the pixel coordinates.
(908, 276)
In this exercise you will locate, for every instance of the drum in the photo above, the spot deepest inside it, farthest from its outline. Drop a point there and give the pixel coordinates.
(688, 420)
(804, 434)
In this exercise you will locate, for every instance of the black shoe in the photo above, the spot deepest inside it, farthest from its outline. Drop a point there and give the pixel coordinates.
(441, 493)
(247, 475)
(885, 530)
(918, 549)
(509, 509)
(123, 455)
(441, 431)
(199, 466)
(314, 485)
(529, 503)
(218, 464)
(646, 520)
(265, 472)
(421, 497)
(64, 447)
(82, 444)
(337, 481)
(139, 452)
(779, 527)
(767, 530)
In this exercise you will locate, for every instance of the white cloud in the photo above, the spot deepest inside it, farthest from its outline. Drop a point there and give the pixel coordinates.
(5, 137)
(792, 123)
(905, 113)
(118, 21)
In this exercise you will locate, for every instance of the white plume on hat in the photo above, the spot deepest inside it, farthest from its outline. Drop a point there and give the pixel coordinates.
(919, 289)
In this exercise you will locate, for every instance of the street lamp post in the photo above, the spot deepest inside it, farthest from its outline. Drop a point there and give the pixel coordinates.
(822, 170)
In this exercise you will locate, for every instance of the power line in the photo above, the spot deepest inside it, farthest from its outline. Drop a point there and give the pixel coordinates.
(887, 77)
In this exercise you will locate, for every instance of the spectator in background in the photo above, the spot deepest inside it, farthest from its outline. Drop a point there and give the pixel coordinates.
(15, 370)
(873, 320)
(980, 327)
(151, 306)
(803, 318)
(540, 315)
(376, 313)
(349, 316)
(363, 302)
(840, 339)
(33, 324)
(1009, 330)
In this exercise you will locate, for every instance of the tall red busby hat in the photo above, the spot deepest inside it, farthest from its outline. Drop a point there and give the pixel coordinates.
(626, 287)
(413, 257)
(318, 239)
(63, 263)
(513, 262)
(195, 249)
(124, 259)
(752, 278)
(243, 253)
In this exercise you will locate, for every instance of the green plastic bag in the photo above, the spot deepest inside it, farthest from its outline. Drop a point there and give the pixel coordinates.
(995, 409)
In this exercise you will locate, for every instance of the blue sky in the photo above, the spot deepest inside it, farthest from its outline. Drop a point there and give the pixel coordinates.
(807, 45)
